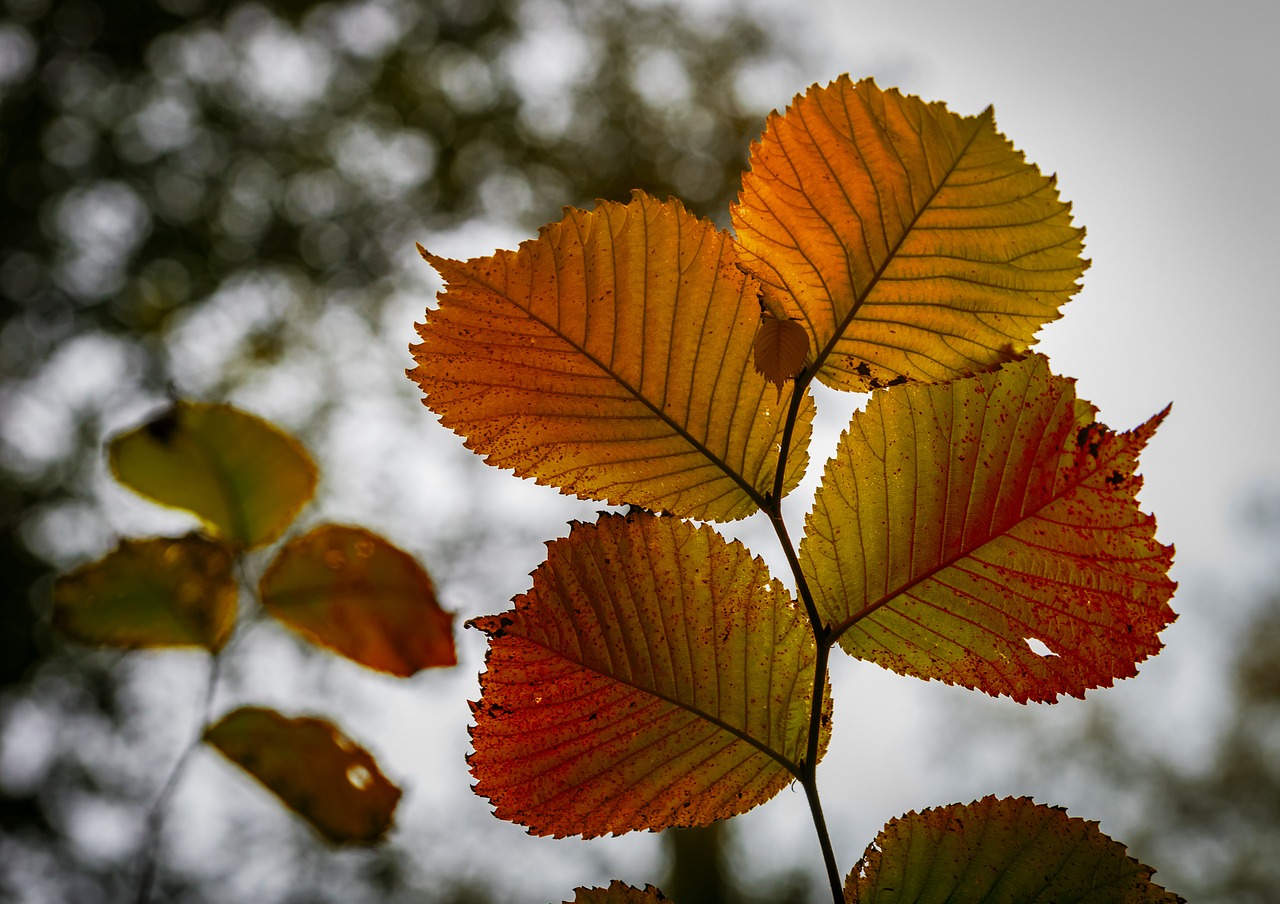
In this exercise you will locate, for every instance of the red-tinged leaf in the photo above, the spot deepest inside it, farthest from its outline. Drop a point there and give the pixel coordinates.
(912, 243)
(780, 349)
(617, 893)
(350, 590)
(240, 475)
(958, 524)
(313, 768)
(654, 676)
(1009, 851)
(161, 592)
(610, 358)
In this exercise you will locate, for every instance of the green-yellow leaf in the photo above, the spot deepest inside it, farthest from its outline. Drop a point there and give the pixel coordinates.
(960, 524)
(618, 893)
(654, 676)
(611, 358)
(350, 590)
(313, 768)
(912, 243)
(1009, 851)
(243, 477)
(161, 592)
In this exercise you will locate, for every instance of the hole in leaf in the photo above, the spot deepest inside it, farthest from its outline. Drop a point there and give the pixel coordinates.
(359, 776)
(1039, 647)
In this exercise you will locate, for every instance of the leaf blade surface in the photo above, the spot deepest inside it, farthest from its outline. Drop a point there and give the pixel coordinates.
(655, 675)
(313, 768)
(350, 590)
(158, 592)
(618, 892)
(958, 523)
(611, 358)
(911, 242)
(1010, 851)
(242, 476)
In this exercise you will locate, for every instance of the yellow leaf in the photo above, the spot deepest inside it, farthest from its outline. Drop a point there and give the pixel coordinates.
(910, 242)
(243, 477)
(160, 592)
(610, 357)
(350, 590)
(315, 769)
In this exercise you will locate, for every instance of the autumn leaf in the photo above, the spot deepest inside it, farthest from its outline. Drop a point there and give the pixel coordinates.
(350, 590)
(912, 243)
(160, 592)
(313, 768)
(654, 676)
(959, 524)
(610, 357)
(1011, 851)
(244, 478)
(780, 349)
(618, 893)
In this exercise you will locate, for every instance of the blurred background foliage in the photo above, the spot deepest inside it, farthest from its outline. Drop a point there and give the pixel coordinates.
(218, 201)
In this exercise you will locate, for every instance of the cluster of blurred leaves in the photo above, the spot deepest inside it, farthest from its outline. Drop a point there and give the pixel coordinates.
(189, 186)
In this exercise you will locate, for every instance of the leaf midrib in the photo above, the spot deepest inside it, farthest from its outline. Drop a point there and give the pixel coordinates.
(1071, 486)
(714, 720)
(859, 300)
(752, 493)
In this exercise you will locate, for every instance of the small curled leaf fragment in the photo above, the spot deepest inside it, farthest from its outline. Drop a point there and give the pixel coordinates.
(617, 893)
(781, 348)
(314, 769)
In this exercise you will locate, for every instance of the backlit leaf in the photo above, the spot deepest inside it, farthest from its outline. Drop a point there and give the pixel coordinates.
(960, 524)
(1010, 851)
(611, 358)
(617, 893)
(350, 590)
(240, 475)
(780, 349)
(315, 769)
(912, 243)
(161, 592)
(654, 676)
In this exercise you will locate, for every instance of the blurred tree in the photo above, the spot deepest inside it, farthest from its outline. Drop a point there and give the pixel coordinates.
(1212, 820)
(190, 188)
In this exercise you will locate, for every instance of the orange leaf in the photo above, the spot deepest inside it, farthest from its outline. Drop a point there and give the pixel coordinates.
(315, 769)
(350, 590)
(911, 243)
(960, 524)
(161, 592)
(780, 349)
(654, 676)
(610, 357)
(1011, 850)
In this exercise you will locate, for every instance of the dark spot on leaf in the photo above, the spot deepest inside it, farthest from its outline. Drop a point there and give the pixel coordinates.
(162, 428)
(862, 370)
(1115, 479)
